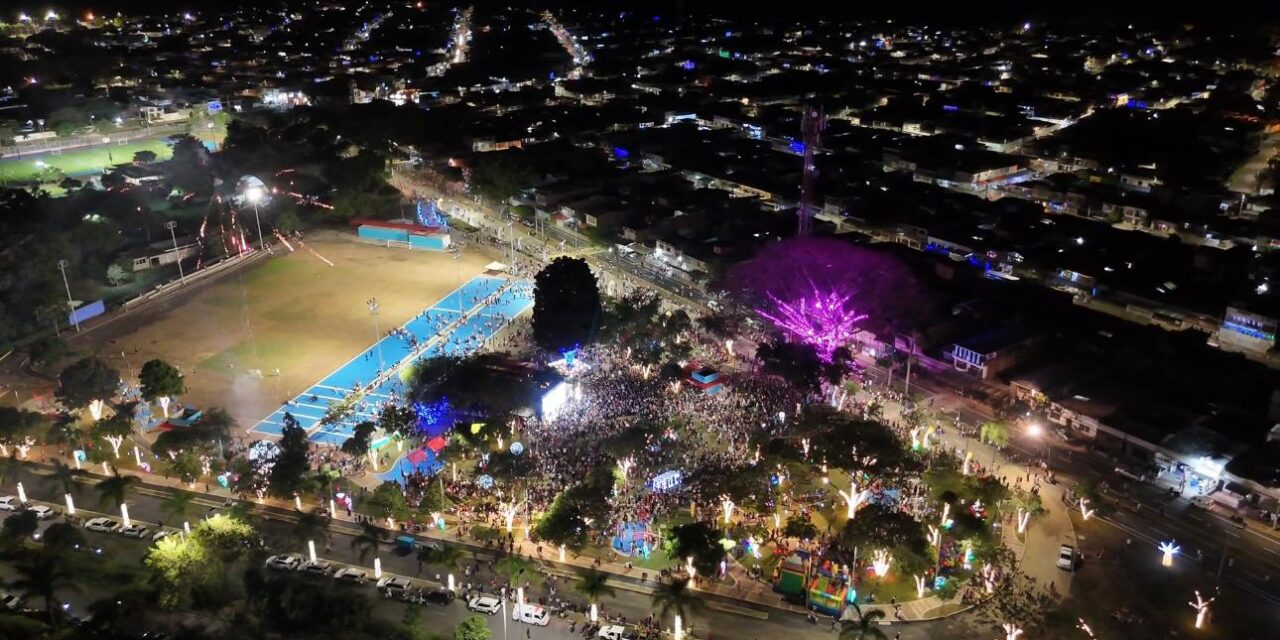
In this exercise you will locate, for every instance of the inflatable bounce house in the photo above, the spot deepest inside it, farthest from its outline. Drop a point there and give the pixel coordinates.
(790, 574)
(829, 590)
(633, 539)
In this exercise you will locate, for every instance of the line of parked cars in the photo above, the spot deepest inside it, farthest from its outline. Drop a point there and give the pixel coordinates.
(11, 503)
(390, 587)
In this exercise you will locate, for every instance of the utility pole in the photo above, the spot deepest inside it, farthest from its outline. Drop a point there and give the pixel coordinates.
(171, 225)
(906, 392)
(62, 266)
(374, 307)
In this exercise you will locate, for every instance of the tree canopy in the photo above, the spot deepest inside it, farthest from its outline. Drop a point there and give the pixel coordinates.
(160, 379)
(566, 305)
(86, 380)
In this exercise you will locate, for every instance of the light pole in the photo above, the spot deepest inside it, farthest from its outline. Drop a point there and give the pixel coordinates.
(374, 307)
(171, 225)
(1037, 432)
(62, 266)
(254, 196)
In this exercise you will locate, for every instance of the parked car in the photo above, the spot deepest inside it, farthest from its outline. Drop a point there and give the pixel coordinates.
(162, 534)
(532, 614)
(135, 531)
(1202, 502)
(10, 601)
(1067, 557)
(389, 582)
(42, 512)
(440, 596)
(9, 503)
(613, 632)
(488, 605)
(351, 575)
(284, 562)
(412, 595)
(320, 568)
(103, 525)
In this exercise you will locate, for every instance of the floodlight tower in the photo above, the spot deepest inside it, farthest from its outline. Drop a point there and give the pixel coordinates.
(813, 122)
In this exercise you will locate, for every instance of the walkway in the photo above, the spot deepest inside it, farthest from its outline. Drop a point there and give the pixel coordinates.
(459, 323)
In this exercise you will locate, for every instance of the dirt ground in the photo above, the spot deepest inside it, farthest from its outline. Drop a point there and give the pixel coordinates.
(294, 313)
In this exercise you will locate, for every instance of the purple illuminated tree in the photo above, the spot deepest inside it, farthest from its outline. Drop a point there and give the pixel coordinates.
(819, 291)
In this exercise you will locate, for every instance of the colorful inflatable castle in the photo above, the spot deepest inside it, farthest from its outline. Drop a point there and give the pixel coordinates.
(829, 589)
(633, 539)
(789, 579)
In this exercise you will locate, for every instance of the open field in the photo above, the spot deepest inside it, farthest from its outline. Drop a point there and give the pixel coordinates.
(294, 313)
(79, 162)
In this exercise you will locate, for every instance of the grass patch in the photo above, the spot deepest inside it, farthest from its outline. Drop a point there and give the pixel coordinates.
(81, 161)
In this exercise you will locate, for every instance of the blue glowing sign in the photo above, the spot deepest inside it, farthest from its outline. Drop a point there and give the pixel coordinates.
(797, 147)
(950, 107)
(621, 153)
(214, 106)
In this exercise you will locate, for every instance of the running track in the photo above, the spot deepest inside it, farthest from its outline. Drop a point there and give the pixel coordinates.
(439, 330)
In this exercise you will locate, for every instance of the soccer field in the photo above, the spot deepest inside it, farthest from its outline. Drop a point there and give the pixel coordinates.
(80, 162)
(294, 313)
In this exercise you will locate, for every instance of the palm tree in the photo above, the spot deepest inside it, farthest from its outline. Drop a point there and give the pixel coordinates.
(178, 505)
(64, 477)
(310, 526)
(113, 489)
(447, 555)
(675, 596)
(865, 627)
(43, 574)
(10, 467)
(371, 538)
(996, 434)
(518, 570)
(593, 584)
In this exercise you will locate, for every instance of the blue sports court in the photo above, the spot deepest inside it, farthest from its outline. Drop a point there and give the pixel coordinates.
(459, 324)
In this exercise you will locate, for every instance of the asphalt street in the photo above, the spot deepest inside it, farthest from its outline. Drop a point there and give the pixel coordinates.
(722, 618)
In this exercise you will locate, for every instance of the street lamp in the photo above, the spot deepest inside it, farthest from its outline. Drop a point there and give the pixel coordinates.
(171, 225)
(1037, 432)
(254, 196)
(374, 308)
(62, 266)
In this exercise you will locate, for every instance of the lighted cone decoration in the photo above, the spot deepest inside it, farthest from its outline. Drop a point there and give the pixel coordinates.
(164, 404)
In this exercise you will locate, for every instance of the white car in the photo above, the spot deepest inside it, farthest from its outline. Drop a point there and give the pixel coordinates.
(322, 568)
(9, 503)
(390, 582)
(135, 531)
(10, 601)
(104, 525)
(351, 575)
(613, 632)
(42, 512)
(1067, 557)
(1202, 502)
(488, 605)
(285, 562)
(162, 534)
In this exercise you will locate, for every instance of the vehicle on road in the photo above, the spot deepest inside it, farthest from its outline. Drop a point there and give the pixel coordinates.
(319, 568)
(1067, 557)
(613, 632)
(390, 582)
(135, 531)
(404, 594)
(42, 512)
(10, 601)
(1202, 502)
(162, 534)
(9, 503)
(351, 575)
(487, 605)
(103, 525)
(532, 614)
(440, 596)
(284, 562)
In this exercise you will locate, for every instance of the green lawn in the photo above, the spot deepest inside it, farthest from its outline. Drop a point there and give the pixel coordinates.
(80, 161)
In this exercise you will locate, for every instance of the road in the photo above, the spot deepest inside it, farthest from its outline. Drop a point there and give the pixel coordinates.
(723, 618)
(1245, 178)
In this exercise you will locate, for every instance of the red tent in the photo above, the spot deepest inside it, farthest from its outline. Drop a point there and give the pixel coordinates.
(417, 457)
(436, 444)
